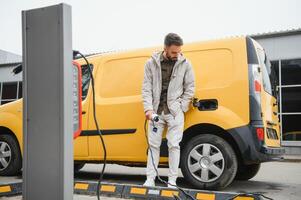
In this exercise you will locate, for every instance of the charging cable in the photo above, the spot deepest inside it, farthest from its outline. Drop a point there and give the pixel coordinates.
(96, 124)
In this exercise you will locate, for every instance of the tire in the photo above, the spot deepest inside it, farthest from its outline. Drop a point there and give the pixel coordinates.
(196, 159)
(78, 167)
(10, 156)
(246, 172)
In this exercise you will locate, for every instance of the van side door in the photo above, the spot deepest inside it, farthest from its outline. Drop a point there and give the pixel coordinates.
(120, 115)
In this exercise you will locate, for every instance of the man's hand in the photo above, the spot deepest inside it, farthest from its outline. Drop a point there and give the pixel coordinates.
(148, 114)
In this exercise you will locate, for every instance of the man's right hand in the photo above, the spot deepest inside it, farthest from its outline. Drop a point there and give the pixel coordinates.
(148, 114)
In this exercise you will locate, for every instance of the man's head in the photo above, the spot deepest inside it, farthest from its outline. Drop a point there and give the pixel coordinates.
(172, 46)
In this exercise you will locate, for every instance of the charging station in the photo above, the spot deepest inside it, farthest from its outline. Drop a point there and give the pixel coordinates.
(49, 119)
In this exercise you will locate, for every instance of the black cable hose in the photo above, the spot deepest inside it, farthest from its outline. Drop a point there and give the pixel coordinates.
(157, 173)
(96, 124)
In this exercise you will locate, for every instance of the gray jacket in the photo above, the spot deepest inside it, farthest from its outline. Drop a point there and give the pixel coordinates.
(180, 90)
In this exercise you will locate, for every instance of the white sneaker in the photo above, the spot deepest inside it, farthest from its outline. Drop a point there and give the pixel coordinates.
(172, 184)
(149, 183)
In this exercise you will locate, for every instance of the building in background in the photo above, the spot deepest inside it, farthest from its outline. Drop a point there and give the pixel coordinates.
(10, 84)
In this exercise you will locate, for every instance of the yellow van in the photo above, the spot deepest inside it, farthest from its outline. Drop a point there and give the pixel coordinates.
(236, 120)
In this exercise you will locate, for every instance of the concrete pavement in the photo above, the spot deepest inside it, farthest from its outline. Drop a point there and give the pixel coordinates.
(278, 180)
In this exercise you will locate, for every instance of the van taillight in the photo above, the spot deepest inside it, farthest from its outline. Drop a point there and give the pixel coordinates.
(260, 133)
(257, 86)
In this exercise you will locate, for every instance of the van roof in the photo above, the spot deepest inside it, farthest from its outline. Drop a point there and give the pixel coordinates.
(150, 50)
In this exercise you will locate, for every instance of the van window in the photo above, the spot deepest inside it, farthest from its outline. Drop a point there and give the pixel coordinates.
(85, 80)
(274, 79)
(266, 71)
(10, 91)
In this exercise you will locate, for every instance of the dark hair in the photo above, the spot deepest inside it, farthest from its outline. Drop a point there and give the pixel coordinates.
(173, 39)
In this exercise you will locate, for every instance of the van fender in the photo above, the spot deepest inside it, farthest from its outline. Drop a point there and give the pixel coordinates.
(14, 124)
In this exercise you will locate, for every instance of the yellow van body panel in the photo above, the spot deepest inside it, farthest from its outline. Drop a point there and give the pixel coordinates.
(220, 69)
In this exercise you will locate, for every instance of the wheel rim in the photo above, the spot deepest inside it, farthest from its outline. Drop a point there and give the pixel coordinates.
(5, 155)
(206, 162)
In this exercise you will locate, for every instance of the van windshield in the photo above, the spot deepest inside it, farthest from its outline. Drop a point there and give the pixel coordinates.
(273, 77)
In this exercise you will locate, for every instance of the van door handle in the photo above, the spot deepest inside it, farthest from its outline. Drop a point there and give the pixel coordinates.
(83, 112)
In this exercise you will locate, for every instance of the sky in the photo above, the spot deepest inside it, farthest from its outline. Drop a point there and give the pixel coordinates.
(108, 25)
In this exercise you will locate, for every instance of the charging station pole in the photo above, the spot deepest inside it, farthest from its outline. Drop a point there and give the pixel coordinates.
(47, 104)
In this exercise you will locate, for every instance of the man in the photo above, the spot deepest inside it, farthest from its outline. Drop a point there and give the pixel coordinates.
(168, 88)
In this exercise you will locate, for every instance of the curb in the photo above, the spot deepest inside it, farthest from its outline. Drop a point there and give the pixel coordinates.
(10, 189)
(136, 192)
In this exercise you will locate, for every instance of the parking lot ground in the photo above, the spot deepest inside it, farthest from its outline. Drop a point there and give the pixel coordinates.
(277, 180)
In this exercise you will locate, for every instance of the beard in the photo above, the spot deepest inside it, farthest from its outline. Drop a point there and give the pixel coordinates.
(171, 58)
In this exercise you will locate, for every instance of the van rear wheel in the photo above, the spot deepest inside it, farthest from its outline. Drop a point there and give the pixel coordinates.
(246, 172)
(208, 162)
(10, 156)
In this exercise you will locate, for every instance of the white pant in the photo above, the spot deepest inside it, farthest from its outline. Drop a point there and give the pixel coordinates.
(175, 127)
